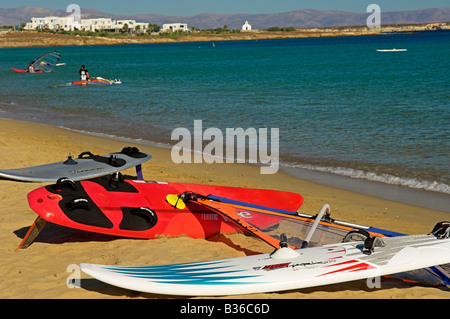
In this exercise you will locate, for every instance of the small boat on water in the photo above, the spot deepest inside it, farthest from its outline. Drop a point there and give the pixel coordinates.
(392, 50)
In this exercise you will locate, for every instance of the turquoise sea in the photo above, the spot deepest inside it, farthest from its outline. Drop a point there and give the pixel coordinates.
(343, 109)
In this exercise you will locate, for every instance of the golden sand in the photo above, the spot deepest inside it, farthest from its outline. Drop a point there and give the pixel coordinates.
(41, 271)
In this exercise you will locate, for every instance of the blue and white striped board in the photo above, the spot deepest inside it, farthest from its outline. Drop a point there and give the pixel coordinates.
(285, 269)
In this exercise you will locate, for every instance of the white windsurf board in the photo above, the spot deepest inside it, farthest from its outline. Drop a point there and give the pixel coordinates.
(285, 269)
(392, 50)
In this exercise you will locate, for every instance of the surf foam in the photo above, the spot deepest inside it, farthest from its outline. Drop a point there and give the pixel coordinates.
(381, 178)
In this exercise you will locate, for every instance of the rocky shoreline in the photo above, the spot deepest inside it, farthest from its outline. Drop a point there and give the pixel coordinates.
(17, 39)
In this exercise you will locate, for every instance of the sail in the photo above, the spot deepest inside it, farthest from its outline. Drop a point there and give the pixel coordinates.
(269, 223)
(272, 225)
(298, 228)
(47, 61)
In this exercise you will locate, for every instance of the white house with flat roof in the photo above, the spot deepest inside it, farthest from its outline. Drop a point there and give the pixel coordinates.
(130, 23)
(53, 23)
(70, 24)
(97, 24)
(170, 27)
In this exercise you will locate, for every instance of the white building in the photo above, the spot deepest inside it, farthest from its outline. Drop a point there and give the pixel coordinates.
(130, 23)
(97, 24)
(142, 26)
(246, 26)
(69, 24)
(170, 27)
(53, 23)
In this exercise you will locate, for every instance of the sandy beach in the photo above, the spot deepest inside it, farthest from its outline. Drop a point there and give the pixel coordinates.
(41, 270)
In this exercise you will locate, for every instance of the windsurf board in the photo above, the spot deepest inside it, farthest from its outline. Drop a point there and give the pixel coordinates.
(91, 81)
(307, 230)
(139, 209)
(392, 50)
(25, 71)
(85, 166)
(285, 269)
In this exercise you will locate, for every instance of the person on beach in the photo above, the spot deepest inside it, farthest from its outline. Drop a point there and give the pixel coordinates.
(83, 73)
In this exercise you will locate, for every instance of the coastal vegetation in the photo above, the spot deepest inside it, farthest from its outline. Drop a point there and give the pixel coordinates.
(194, 30)
(277, 28)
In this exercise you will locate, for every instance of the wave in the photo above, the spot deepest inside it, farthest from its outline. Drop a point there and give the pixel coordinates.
(414, 183)
(381, 178)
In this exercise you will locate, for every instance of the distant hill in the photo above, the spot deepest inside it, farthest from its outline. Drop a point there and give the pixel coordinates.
(299, 18)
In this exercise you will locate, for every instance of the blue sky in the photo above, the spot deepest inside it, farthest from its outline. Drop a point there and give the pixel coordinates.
(193, 7)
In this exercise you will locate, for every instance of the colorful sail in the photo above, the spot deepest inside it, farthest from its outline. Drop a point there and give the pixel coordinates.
(267, 222)
(303, 230)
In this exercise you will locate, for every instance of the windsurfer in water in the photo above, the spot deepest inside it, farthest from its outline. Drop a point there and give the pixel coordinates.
(30, 67)
(83, 73)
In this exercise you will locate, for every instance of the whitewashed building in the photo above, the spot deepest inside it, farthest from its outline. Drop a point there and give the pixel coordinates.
(143, 26)
(246, 26)
(53, 23)
(171, 27)
(97, 24)
(70, 24)
(130, 23)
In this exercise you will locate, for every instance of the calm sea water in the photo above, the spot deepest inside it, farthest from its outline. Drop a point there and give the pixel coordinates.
(341, 106)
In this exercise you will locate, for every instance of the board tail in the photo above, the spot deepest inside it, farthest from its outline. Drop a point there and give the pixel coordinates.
(32, 233)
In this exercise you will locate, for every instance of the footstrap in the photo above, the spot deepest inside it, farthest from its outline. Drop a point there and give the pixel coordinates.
(441, 230)
(371, 242)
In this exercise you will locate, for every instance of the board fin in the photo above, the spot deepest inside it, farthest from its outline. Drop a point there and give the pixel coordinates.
(139, 174)
(32, 233)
